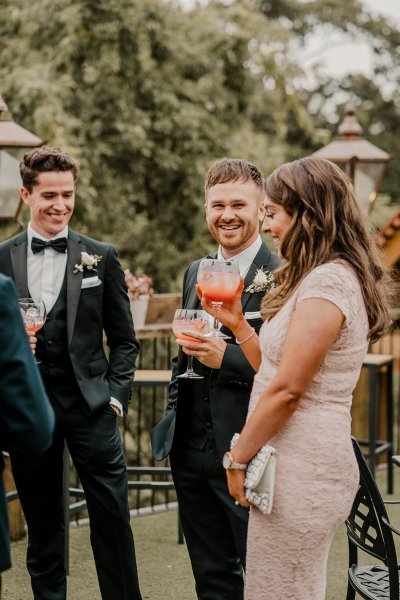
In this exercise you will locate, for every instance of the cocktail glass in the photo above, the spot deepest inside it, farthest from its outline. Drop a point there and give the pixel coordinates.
(218, 279)
(33, 312)
(190, 320)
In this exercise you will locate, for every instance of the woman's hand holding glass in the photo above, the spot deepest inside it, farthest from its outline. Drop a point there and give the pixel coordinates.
(218, 280)
(231, 315)
(231, 311)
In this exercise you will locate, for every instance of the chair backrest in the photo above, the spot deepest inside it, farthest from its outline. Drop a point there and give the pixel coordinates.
(365, 526)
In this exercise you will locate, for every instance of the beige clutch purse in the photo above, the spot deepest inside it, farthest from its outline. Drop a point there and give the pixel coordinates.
(260, 477)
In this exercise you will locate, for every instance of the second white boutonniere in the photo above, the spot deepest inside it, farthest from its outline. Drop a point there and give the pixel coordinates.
(88, 261)
(264, 281)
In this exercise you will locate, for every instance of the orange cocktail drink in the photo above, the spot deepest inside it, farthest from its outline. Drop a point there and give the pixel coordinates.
(218, 286)
(180, 325)
(31, 329)
(218, 280)
(188, 320)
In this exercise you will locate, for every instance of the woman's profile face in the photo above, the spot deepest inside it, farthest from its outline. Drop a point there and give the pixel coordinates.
(276, 221)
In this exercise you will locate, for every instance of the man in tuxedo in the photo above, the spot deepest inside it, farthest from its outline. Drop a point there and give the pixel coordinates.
(26, 416)
(82, 285)
(202, 415)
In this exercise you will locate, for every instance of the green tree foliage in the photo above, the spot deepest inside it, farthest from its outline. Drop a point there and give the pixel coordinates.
(146, 93)
(376, 98)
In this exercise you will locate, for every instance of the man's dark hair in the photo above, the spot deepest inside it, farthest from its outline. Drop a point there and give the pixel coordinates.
(44, 159)
(229, 170)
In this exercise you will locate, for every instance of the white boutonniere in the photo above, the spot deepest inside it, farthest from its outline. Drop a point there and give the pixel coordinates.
(88, 261)
(264, 281)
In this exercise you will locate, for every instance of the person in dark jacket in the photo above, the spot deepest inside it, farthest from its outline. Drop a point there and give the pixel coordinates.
(203, 415)
(26, 416)
(83, 287)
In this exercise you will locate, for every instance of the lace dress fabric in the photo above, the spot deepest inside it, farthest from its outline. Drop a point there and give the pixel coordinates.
(316, 474)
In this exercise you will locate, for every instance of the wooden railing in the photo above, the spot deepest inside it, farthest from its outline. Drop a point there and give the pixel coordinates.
(158, 346)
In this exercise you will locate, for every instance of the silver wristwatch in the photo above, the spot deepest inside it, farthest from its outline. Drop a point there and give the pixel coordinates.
(228, 463)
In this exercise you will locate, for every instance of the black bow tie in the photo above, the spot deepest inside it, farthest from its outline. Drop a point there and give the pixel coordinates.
(60, 245)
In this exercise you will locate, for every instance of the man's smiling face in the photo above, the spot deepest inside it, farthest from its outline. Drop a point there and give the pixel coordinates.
(51, 201)
(233, 213)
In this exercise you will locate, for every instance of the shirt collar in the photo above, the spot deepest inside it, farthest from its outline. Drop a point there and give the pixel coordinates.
(245, 258)
(32, 233)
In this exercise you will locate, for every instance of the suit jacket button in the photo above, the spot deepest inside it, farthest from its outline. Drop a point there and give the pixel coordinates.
(50, 342)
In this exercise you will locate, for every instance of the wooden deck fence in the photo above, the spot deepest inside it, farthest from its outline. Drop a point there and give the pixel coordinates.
(158, 346)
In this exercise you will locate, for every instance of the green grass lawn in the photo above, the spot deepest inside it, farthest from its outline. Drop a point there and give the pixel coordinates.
(164, 567)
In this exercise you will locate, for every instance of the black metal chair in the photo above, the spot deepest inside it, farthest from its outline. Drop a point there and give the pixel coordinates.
(369, 529)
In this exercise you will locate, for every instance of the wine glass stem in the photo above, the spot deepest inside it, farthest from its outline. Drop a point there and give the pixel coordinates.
(216, 309)
(189, 368)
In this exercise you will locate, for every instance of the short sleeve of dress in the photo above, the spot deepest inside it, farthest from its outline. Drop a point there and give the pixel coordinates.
(334, 282)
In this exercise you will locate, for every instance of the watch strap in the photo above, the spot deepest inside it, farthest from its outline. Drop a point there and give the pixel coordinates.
(235, 465)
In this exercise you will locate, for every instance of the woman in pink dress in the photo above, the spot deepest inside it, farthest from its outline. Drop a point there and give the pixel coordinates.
(328, 303)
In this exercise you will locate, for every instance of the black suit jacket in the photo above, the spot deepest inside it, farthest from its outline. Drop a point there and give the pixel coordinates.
(230, 386)
(90, 311)
(26, 417)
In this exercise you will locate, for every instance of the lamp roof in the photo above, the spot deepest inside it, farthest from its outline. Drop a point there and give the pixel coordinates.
(343, 149)
(13, 135)
(350, 145)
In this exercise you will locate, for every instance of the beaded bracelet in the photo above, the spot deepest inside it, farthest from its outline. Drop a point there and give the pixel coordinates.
(246, 339)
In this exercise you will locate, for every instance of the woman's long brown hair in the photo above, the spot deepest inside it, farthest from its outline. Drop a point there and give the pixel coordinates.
(327, 224)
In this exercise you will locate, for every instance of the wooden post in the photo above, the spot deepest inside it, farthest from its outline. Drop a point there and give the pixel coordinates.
(360, 407)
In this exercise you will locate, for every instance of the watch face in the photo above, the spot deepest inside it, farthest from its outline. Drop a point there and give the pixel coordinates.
(226, 461)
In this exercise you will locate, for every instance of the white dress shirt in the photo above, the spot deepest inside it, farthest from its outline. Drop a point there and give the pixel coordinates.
(46, 271)
(245, 258)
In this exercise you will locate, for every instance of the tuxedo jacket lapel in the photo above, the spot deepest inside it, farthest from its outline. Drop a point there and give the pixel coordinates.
(261, 261)
(74, 280)
(247, 281)
(193, 300)
(19, 266)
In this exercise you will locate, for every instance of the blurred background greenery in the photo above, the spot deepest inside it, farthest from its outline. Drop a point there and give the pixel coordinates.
(146, 93)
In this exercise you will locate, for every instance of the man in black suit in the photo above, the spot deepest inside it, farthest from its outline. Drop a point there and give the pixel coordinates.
(82, 285)
(26, 416)
(202, 415)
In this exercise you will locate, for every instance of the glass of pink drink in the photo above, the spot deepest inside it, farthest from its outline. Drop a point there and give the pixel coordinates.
(218, 279)
(33, 312)
(190, 320)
